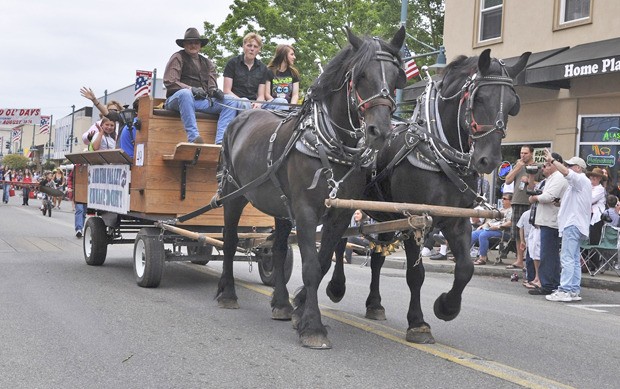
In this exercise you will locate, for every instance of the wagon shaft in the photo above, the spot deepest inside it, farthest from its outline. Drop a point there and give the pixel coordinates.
(405, 208)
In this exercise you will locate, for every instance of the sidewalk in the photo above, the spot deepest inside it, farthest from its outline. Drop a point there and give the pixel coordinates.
(610, 280)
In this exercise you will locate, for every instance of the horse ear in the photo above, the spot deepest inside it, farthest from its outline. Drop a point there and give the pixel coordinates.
(515, 69)
(484, 61)
(354, 40)
(515, 108)
(399, 38)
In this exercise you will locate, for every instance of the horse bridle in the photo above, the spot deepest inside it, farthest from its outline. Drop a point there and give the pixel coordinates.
(467, 95)
(383, 97)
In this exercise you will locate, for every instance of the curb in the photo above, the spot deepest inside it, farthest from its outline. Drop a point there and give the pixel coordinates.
(604, 281)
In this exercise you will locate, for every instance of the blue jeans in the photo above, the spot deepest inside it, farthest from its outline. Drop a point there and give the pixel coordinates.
(570, 278)
(183, 101)
(482, 237)
(270, 104)
(549, 268)
(80, 215)
(5, 192)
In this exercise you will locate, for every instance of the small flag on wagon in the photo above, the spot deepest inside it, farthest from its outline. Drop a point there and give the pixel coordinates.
(45, 125)
(16, 134)
(411, 68)
(143, 83)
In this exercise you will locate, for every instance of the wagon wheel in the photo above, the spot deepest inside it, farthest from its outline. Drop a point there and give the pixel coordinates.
(204, 251)
(49, 212)
(43, 209)
(265, 267)
(148, 257)
(95, 242)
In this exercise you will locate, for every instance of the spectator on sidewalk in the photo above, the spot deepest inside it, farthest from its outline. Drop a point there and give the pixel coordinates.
(574, 226)
(522, 180)
(493, 229)
(547, 221)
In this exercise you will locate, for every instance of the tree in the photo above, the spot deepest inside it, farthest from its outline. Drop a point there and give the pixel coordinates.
(316, 28)
(15, 161)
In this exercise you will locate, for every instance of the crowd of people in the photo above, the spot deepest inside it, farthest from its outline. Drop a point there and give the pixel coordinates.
(550, 211)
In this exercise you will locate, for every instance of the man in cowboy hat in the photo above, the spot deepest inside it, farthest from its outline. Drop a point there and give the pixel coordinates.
(191, 83)
(574, 225)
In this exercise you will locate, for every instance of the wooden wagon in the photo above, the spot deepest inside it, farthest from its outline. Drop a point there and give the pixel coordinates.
(128, 199)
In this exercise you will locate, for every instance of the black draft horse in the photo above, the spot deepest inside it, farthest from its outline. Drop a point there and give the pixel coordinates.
(455, 134)
(288, 167)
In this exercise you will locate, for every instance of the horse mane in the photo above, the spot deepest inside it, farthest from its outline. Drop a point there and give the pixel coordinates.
(335, 71)
(460, 68)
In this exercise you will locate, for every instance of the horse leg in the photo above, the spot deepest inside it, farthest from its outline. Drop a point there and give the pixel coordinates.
(332, 231)
(281, 308)
(226, 295)
(418, 331)
(374, 309)
(307, 316)
(448, 305)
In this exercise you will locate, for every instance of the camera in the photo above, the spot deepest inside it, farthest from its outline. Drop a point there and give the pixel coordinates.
(532, 169)
(534, 192)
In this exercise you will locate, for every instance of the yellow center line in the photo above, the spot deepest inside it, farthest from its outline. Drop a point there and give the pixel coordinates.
(463, 358)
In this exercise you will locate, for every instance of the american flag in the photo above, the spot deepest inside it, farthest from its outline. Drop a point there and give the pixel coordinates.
(45, 125)
(411, 68)
(16, 134)
(143, 83)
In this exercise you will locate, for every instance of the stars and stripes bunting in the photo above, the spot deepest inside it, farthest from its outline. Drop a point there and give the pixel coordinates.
(45, 125)
(143, 83)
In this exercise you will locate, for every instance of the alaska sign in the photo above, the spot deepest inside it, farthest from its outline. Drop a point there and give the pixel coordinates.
(600, 66)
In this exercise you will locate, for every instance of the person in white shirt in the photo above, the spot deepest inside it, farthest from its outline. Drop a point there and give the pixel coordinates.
(574, 225)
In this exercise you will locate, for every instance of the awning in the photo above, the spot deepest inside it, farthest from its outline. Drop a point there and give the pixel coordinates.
(588, 59)
(534, 59)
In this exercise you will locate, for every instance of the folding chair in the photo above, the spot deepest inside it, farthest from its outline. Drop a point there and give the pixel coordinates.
(607, 250)
(504, 245)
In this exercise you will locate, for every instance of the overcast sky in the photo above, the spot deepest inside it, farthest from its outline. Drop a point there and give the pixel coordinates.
(51, 48)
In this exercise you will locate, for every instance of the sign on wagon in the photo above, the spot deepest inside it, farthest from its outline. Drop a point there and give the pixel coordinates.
(108, 187)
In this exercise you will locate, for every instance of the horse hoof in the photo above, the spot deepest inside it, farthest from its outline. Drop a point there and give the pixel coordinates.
(441, 310)
(295, 319)
(316, 342)
(335, 293)
(283, 314)
(228, 304)
(375, 314)
(420, 335)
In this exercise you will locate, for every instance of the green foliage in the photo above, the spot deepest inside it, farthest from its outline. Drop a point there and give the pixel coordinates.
(15, 161)
(316, 28)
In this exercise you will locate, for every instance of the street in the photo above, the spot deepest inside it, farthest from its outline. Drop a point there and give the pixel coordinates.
(65, 324)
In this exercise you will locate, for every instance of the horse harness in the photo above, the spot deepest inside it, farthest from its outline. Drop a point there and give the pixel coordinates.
(426, 145)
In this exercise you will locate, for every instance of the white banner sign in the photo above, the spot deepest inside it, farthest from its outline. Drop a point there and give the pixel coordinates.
(15, 116)
(108, 187)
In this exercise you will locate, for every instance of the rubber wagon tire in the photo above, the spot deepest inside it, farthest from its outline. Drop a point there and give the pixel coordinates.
(95, 242)
(49, 211)
(149, 258)
(267, 274)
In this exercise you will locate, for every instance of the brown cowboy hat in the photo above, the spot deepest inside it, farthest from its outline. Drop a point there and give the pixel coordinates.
(597, 172)
(192, 34)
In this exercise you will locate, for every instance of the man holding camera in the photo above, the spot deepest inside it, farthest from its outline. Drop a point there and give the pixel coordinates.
(191, 83)
(525, 174)
(547, 221)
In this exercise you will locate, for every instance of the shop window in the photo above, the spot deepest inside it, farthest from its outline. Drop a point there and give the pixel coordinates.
(490, 18)
(571, 13)
(599, 142)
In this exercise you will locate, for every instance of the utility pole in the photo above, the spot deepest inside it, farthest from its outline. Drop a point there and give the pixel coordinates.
(72, 122)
